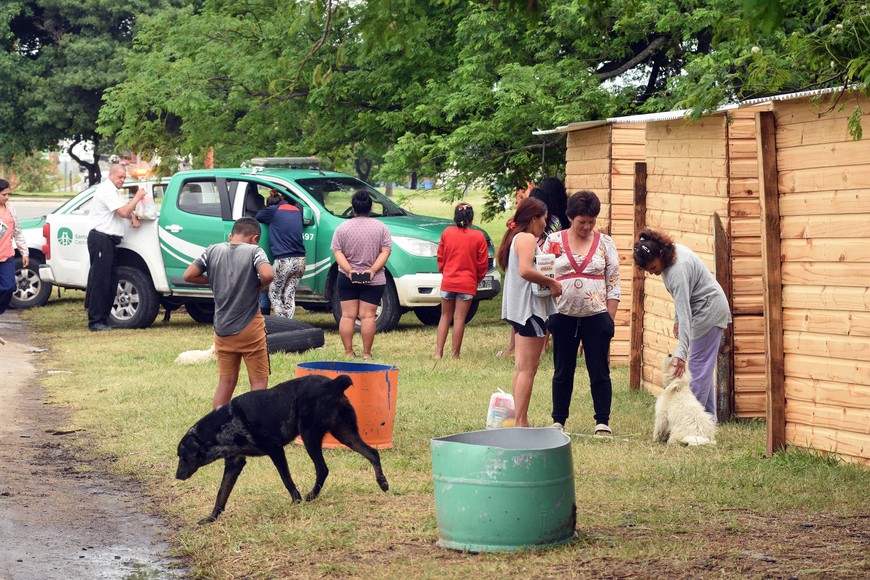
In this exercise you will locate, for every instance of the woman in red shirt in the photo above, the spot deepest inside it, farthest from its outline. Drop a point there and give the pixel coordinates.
(463, 262)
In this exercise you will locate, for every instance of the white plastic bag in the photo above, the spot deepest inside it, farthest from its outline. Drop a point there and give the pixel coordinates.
(146, 209)
(501, 411)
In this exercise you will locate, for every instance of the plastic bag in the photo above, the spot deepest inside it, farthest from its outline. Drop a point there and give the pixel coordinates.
(146, 209)
(501, 411)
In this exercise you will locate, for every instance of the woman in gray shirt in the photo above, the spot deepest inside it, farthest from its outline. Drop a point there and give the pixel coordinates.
(701, 309)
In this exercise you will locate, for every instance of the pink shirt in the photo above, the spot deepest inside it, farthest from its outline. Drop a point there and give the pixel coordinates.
(360, 239)
(11, 235)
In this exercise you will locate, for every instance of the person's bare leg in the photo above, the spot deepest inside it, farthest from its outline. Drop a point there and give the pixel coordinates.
(368, 326)
(225, 388)
(509, 351)
(347, 324)
(444, 326)
(259, 383)
(459, 314)
(527, 356)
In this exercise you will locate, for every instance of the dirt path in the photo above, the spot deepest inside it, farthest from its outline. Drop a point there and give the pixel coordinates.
(58, 520)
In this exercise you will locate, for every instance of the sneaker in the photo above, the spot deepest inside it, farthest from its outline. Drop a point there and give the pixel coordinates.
(99, 327)
(559, 426)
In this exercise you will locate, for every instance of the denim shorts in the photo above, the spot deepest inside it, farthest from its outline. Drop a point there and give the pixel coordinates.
(446, 295)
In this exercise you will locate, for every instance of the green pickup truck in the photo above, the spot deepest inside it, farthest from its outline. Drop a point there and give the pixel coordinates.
(198, 208)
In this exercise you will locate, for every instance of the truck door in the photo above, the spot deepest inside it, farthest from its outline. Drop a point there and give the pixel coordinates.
(200, 215)
(248, 195)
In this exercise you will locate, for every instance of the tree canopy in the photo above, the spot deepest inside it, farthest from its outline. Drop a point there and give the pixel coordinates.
(56, 60)
(392, 89)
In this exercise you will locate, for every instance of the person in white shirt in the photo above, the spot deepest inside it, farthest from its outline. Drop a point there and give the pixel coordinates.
(111, 214)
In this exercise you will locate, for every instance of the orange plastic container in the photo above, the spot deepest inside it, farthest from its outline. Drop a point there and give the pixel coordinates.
(372, 394)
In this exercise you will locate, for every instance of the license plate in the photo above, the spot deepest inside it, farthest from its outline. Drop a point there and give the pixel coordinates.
(485, 284)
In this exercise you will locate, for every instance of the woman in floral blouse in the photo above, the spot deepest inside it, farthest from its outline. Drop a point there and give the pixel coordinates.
(588, 268)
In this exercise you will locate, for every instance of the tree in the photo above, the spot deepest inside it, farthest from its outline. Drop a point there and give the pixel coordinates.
(56, 60)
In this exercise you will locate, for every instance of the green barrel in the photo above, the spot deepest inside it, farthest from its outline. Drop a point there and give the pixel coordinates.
(502, 490)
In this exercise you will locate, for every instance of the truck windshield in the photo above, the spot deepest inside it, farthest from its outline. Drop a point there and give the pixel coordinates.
(334, 193)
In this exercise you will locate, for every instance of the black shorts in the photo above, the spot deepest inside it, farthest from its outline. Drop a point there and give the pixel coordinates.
(347, 290)
(535, 327)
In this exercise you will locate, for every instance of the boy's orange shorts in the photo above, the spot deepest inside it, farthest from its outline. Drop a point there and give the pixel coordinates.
(250, 345)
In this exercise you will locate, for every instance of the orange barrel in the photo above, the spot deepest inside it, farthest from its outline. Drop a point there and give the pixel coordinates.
(372, 394)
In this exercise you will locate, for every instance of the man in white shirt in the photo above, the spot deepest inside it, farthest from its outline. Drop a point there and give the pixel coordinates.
(111, 214)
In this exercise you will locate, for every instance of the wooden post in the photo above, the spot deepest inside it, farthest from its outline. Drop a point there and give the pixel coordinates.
(771, 275)
(635, 364)
(725, 360)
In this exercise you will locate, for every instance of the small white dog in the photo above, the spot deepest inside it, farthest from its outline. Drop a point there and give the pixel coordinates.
(196, 357)
(680, 418)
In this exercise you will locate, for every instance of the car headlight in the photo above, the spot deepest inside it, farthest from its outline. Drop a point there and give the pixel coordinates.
(416, 246)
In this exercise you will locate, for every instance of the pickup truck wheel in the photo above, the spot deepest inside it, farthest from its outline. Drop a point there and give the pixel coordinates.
(202, 312)
(389, 311)
(431, 315)
(295, 340)
(29, 291)
(136, 302)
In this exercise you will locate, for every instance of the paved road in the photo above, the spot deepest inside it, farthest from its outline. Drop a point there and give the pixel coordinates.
(30, 208)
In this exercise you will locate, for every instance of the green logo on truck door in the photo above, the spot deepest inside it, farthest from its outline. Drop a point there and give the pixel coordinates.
(64, 236)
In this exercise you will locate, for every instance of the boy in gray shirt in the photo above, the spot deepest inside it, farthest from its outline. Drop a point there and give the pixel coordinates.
(237, 271)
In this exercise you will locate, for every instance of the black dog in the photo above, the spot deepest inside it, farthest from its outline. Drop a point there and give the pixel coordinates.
(262, 422)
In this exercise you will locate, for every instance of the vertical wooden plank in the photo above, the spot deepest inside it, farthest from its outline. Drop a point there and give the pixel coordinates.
(771, 275)
(725, 361)
(635, 364)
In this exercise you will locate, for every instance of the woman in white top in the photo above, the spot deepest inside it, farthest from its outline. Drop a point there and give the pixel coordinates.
(520, 307)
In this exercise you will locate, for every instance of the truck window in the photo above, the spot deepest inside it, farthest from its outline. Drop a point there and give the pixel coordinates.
(200, 198)
(335, 194)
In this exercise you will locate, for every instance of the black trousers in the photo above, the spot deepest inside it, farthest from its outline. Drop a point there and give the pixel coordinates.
(595, 332)
(102, 277)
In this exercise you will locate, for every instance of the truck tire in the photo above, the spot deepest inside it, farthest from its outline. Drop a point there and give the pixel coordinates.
(295, 340)
(430, 315)
(136, 301)
(276, 324)
(201, 312)
(389, 311)
(30, 290)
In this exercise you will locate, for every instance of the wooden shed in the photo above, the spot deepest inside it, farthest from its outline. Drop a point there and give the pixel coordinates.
(816, 227)
(774, 195)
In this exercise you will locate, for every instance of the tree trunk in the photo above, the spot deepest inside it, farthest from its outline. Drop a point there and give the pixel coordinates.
(363, 168)
(413, 180)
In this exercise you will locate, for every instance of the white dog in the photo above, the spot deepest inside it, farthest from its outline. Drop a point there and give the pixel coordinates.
(680, 418)
(196, 357)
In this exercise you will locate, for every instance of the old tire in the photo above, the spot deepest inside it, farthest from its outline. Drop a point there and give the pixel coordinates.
(388, 314)
(431, 315)
(30, 290)
(295, 340)
(276, 324)
(201, 312)
(136, 301)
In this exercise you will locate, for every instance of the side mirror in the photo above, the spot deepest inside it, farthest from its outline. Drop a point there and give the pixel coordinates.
(307, 216)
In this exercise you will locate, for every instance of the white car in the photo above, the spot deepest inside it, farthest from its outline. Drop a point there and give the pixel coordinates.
(30, 289)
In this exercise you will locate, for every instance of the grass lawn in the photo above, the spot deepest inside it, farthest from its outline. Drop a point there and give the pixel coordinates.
(643, 509)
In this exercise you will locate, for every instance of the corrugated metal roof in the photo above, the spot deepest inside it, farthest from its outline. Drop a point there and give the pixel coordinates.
(685, 113)
(798, 95)
(645, 118)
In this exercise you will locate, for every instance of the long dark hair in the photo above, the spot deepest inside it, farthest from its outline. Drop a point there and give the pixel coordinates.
(527, 210)
(555, 197)
(650, 245)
